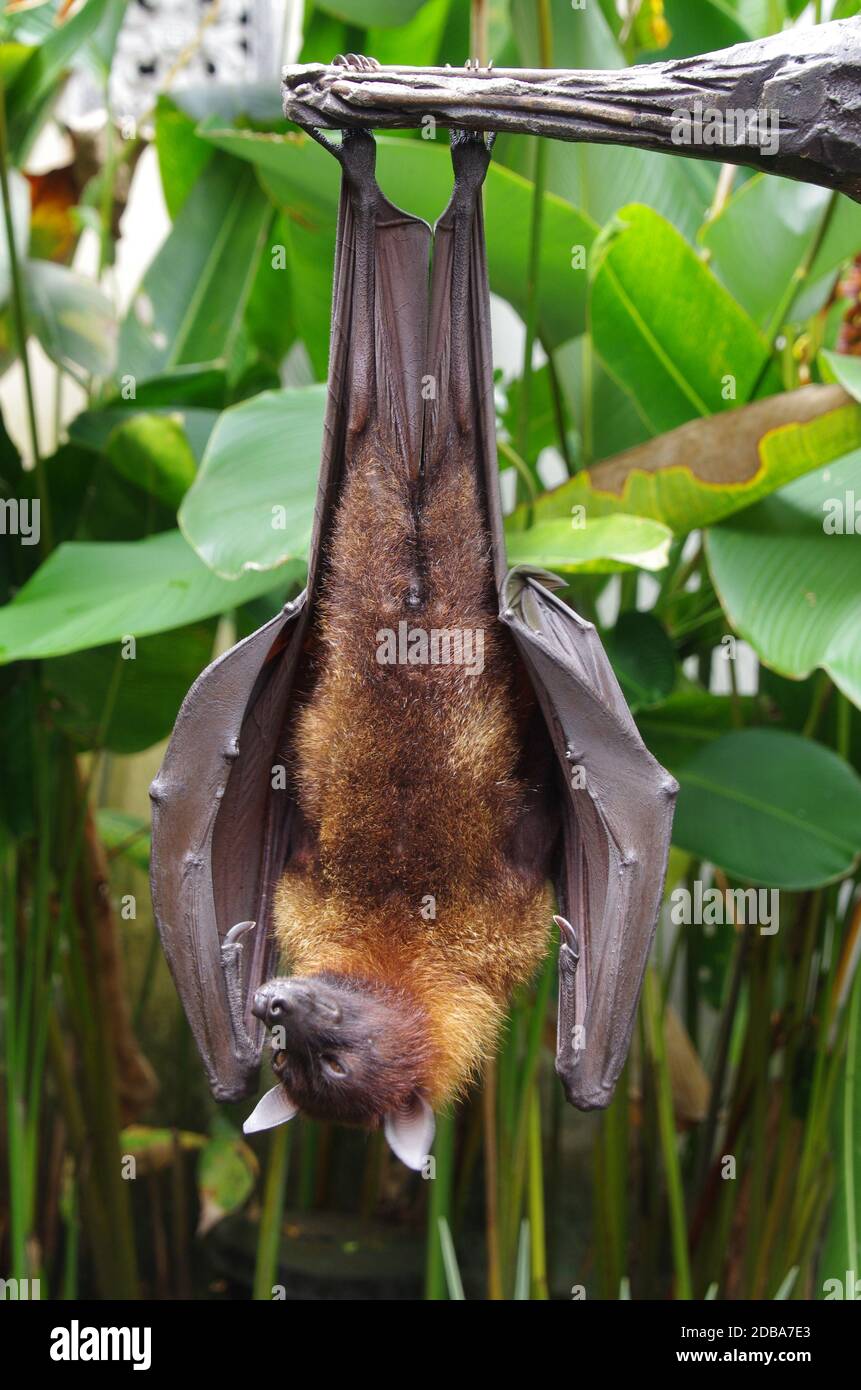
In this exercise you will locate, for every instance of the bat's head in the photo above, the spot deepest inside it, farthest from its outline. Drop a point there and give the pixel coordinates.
(350, 1051)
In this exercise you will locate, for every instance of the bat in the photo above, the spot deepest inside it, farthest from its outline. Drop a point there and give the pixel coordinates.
(366, 806)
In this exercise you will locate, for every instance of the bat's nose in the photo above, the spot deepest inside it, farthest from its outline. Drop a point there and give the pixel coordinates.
(283, 999)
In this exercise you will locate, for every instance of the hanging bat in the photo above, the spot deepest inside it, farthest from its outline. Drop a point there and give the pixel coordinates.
(452, 743)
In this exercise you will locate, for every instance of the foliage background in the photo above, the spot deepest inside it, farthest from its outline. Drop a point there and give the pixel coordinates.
(645, 294)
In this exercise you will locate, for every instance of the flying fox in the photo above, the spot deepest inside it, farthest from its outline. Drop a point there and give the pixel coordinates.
(376, 910)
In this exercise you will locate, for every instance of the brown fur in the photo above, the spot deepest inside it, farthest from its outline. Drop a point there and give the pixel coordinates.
(409, 778)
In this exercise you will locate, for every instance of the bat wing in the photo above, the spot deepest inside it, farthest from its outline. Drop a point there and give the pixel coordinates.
(215, 831)
(616, 826)
(617, 818)
(223, 820)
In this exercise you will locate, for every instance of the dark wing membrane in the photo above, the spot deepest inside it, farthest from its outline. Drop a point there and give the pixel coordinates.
(221, 829)
(202, 886)
(617, 814)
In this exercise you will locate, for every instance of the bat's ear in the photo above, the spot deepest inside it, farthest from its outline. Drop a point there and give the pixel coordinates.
(276, 1108)
(410, 1131)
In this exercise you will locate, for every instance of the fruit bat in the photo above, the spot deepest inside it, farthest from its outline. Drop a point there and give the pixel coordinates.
(366, 806)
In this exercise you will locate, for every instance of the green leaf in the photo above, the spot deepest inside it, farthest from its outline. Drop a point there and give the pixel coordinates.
(303, 179)
(251, 504)
(155, 1149)
(609, 420)
(845, 369)
(771, 808)
(152, 451)
(665, 328)
(385, 13)
(643, 658)
(226, 1174)
(144, 692)
(788, 273)
(182, 155)
(86, 594)
(93, 428)
(604, 545)
(37, 79)
(190, 305)
(124, 834)
(791, 587)
(703, 28)
(72, 318)
(688, 720)
(708, 469)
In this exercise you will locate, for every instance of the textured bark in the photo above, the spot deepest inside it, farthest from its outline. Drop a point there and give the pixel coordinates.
(809, 77)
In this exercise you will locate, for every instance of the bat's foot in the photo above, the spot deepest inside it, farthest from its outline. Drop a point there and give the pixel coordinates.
(357, 152)
(357, 61)
(470, 157)
(231, 963)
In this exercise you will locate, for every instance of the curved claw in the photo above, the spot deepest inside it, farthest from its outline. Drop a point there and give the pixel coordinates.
(358, 61)
(569, 936)
(237, 932)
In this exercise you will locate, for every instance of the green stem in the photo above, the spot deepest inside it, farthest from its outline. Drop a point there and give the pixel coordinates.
(271, 1215)
(675, 1196)
(439, 1208)
(821, 692)
(538, 1243)
(850, 1197)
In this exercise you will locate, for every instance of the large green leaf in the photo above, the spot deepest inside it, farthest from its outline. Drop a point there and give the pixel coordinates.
(251, 505)
(153, 452)
(805, 241)
(664, 325)
(416, 175)
(790, 587)
(604, 545)
(708, 469)
(86, 594)
(643, 658)
(386, 13)
(771, 808)
(190, 305)
(687, 720)
(703, 28)
(72, 319)
(182, 155)
(140, 697)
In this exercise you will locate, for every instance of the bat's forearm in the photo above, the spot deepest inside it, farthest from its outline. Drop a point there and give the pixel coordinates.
(786, 104)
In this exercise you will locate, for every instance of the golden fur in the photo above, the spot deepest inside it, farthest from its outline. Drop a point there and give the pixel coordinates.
(408, 776)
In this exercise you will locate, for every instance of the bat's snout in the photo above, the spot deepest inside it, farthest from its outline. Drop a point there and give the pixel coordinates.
(297, 1001)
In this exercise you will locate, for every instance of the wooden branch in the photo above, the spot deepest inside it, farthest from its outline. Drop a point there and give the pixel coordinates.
(789, 104)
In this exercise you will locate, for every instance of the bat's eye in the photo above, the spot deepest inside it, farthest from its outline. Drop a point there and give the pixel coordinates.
(333, 1066)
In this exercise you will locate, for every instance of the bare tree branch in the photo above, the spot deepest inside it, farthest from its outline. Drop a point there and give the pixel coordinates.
(789, 104)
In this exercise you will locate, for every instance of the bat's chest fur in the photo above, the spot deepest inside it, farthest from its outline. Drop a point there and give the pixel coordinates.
(407, 760)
